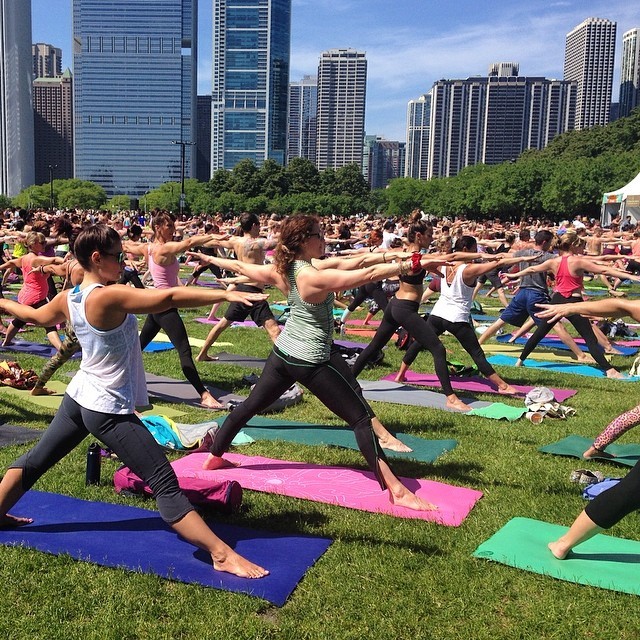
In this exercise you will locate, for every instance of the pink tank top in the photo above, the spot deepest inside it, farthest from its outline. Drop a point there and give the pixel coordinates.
(165, 275)
(35, 286)
(566, 284)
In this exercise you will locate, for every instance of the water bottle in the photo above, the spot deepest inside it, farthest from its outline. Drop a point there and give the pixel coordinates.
(94, 458)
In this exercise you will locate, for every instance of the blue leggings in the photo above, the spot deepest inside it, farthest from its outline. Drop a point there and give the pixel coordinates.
(125, 435)
(331, 382)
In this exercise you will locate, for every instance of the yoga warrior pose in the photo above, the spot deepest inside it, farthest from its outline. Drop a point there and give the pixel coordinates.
(102, 396)
(303, 351)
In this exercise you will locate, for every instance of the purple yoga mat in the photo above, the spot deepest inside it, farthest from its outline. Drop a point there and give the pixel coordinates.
(244, 323)
(479, 385)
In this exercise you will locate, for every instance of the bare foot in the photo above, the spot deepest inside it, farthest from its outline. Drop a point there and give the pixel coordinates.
(457, 405)
(400, 378)
(218, 462)
(614, 374)
(558, 549)
(203, 357)
(519, 363)
(612, 351)
(507, 390)
(592, 452)
(8, 521)
(41, 391)
(393, 444)
(231, 562)
(411, 501)
(587, 358)
(209, 402)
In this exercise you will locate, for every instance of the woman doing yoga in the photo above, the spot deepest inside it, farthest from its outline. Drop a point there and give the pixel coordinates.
(102, 396)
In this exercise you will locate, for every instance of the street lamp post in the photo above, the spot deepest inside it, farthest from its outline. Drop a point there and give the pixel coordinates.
(51, 168)
(183, 144)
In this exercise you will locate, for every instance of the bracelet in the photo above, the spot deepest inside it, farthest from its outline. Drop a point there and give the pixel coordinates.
(384, 257)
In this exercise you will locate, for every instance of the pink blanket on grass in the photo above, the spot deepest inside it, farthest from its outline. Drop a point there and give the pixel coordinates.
(334, 485)
(474, 384)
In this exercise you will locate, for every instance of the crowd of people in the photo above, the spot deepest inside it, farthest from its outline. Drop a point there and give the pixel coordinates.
(315, 262)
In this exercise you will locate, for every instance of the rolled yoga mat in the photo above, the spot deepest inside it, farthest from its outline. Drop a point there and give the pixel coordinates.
(138, 540)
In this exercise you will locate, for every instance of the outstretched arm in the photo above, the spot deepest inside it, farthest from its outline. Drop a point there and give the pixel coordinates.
(48, 315)
(265, 273)
(547, 265)
(606, 308)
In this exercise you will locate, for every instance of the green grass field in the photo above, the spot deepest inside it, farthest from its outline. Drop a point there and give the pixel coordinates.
(382, 577)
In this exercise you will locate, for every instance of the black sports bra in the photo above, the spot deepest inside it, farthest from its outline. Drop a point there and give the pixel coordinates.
(414, 278)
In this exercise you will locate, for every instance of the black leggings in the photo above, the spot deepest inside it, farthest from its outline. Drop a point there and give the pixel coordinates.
(370, 290)
(464, 334)
(331, 382)
(125, 435)
(582, 326)
(404, 313)
(612, 505)
(171, 323)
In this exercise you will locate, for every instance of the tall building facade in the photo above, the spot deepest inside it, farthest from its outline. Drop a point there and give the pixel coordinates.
(588, 60)
(630, 72)
(135, 66)
(203, 139)
(251, 51)
(53, 127)
(417, 147)
(494, 119)
(342, 91)
(383, 160)
(302, 120)
(47, 60)
(16, 114)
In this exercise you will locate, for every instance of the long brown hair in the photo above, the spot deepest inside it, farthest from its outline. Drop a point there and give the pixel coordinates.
(295, 230)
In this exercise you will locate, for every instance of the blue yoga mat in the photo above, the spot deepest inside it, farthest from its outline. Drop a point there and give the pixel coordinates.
(554, 343)
(138, 540)
(152, 347)
(559, 367)
(33, 348)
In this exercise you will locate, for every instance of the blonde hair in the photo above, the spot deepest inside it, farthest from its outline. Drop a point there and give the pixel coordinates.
(33, 237)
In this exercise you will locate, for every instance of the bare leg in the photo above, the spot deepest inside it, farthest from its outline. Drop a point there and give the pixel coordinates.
(10, 492)
(402, 373)
(453, 402)
(399, 495)
(491, 331)
(54, 339)
(604, 341)
(386, 439)
(12, 332)
(502, 297)
(503, 386)
(582, 529)
(568, 340)
(214, 310)
(592, 452)
(528, 325)
(194, 529)
(203, 355)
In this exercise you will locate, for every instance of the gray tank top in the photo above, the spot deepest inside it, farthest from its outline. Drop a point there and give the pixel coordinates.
(308, 332)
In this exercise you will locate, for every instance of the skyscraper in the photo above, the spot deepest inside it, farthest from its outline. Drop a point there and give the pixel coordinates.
(16, 115)
(47, 60)
(53, 126)
(302, 119)
(203, 139)
(135, 68)
(342, 89)
(383, 160)
(494, 119)
(418, 126)
(630, 72)
(588, 60)
(251, 45)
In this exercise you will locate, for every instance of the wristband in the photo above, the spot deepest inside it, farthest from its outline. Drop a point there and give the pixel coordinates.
(415, 262)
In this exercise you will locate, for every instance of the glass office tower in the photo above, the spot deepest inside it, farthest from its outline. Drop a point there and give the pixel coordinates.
(135, 69)
(251, 44)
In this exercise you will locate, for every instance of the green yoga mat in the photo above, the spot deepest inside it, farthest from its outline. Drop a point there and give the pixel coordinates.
(498, 411)
(603, 561)
(575, 446)
(260, 428)
(554, 355)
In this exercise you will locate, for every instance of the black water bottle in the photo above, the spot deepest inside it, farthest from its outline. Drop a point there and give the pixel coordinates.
(93, 464)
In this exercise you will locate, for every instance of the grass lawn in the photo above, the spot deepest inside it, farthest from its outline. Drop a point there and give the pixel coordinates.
(382, 577)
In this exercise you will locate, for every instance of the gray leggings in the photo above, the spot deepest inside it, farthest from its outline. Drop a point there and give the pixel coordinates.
(125, 435)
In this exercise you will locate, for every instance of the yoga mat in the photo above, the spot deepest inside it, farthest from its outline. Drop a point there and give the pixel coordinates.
(360, 323)
(554, 343)
(154, 347)
(603, 561)
(171, 390)
(349, 344)
(474, 384)
(250, 362)
(575, 446)
(559, 367)
(245, 323)
(553, 355)
(334, 485)
(260, 428)
(362, 332)
(10, 434)
(194, 342)
(397, 393)
(138, 540)
(33, 348)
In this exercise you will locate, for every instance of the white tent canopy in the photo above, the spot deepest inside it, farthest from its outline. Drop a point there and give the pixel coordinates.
(622, 202)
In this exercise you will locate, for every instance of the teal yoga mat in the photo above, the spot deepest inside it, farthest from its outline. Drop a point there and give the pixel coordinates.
(575, 446)
(260, 428)
(603, 561)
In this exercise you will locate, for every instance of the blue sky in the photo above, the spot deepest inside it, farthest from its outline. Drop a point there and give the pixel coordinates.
(409, 43)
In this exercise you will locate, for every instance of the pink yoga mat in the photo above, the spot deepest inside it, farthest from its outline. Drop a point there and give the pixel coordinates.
(334, 485)
(374, 324)
(473, 383)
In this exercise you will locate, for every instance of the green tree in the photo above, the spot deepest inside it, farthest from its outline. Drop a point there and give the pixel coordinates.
(403, 195)
(244, 179)
(272, 179)
(351, 182)
(302, 176)
(119, 203)
(74, 193)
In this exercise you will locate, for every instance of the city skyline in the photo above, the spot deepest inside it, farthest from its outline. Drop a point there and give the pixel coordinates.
(408, 47)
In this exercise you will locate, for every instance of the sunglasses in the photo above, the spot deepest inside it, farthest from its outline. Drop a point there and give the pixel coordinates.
(120, 257)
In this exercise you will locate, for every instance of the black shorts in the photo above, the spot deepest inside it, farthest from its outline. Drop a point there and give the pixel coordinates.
(260, 312)
(493, 278)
